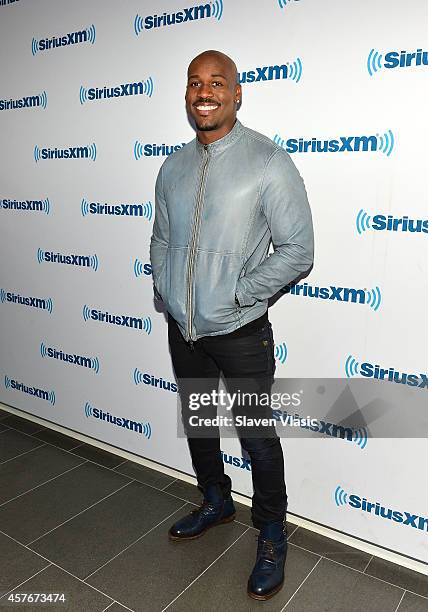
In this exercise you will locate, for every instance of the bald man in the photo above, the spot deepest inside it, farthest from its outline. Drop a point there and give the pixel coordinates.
(221, 201)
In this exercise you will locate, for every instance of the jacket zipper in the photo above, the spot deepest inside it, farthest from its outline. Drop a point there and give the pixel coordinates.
(190, 263)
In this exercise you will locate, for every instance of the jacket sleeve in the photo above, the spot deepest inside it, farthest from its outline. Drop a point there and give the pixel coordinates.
(285, 205)
(160, 235)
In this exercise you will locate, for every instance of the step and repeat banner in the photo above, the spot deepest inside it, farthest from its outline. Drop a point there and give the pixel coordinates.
(92, 102)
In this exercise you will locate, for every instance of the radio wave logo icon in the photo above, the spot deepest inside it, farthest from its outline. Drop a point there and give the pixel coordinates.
(340, 496)
(86, 312)
(95, 364)
(217, 9)
(7, 382)
(94, 262)
(374, 62)
(34, 46)
(37, 154)
(138, 150)
(138, 268)
(93, 151)
(386, 142)
(295, 70)
(40, 256)
(2, 295)
(283, 3)
(92, 34)
(373, 297)
(147, 325)
(351, 367)
(138, 376)
(46, 206)
(43, 99)
(43, 350)
(49, 305)
(360, 437)
(83, 94)
(279, 141)
(281, 352)
(84, 207)
(362, 221)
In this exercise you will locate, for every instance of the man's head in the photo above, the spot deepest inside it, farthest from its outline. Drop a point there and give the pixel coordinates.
(213, 94)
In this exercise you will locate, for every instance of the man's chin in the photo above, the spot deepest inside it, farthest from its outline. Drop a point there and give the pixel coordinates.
(206, 127)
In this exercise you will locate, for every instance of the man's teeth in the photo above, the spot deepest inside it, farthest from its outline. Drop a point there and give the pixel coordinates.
(206, 107)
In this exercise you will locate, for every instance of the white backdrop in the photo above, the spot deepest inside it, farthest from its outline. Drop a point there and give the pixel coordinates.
(342, 84)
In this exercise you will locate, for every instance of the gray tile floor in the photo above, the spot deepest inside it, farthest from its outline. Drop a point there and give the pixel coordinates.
(80, 521)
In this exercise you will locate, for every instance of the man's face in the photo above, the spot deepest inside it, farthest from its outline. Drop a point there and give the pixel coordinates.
(211, 95)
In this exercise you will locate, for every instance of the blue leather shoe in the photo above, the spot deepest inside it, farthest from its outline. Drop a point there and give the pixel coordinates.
(267, 576)
(214, 510)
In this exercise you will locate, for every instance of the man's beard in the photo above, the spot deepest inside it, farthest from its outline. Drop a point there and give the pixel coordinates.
(207, 127)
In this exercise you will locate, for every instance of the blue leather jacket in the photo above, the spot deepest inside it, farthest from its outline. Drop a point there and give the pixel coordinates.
(218, 208)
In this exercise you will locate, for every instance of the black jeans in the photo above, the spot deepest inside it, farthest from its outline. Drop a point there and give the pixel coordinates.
(248, 358)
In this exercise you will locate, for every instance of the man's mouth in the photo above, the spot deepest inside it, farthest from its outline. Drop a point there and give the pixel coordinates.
(204, 108)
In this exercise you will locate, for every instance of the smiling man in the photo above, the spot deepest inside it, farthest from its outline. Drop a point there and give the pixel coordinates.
(221, 201)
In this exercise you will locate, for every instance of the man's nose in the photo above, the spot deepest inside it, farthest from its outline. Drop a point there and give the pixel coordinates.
(206, 90)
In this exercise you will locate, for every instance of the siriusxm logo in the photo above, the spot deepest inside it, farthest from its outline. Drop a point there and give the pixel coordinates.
(148, 379)
(48, 396)
(139, 88)
(396, 59)
(86, 152)
(34, 302)
(357, 435)
(122, 320)
(154, 150)
(144, 429)
(389, 223)
(84, 261)
(25, 102)
(290, 70)
(368, 370)
(239, 462)
(342, 498)
(72, 38)
(352, 144)
(142, 268)
(370, 297)
(118, 210)
(93, 363)
(27, 205)
(5, 2)
(192, 13)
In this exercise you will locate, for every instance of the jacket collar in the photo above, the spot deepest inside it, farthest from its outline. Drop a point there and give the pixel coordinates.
(222, 143)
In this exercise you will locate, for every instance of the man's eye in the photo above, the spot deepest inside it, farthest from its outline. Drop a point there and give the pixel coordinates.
(217, 83)
(193, 83)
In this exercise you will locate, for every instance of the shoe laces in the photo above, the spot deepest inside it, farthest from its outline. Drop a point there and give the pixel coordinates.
(266, 548)
(205, 506)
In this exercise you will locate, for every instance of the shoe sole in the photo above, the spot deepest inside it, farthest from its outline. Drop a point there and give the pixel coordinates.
(228, 519)
(267, 595)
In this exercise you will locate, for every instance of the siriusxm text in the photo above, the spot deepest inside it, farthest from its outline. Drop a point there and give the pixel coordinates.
(405, 518)
(399, 224)
(368, 370)
(31, 205)
(25, 102)
(155, 150)
(71, 38)
(340, 294)
(335, 145)
(35, 302)
(186, 14)
(119, 421)
(18, 386)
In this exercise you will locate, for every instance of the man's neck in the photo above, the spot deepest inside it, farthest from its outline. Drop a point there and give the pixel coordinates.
(207, 137)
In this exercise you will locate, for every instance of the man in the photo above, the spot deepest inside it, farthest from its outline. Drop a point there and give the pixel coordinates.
(220, 201)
